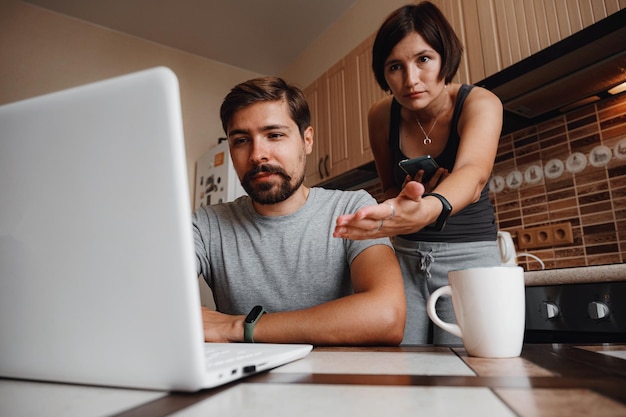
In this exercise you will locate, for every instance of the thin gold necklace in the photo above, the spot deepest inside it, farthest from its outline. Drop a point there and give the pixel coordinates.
(427, 139)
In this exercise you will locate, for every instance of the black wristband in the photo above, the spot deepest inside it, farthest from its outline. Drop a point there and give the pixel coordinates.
(250, 321)
(445, 212)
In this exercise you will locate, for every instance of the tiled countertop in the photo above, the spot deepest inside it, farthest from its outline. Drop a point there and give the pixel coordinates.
(546, 380)
(580, 275)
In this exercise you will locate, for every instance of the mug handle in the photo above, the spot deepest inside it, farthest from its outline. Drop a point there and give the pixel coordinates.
(432, 312)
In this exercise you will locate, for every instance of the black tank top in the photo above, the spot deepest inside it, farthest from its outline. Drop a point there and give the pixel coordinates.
(475, 222)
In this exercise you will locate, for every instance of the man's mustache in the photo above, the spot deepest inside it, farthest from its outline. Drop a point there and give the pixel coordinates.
(257, 169)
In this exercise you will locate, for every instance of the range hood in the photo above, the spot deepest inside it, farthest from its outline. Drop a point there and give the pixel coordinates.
(568, 74)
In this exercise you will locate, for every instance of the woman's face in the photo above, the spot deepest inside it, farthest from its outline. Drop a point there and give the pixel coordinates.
(412, 72)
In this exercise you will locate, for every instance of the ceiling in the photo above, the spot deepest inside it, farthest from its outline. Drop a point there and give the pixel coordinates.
(263, 36)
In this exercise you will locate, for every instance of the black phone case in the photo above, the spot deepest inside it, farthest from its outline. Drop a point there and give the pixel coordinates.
(427, 163)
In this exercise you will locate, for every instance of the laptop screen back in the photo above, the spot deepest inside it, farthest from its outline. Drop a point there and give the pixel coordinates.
(97, 272)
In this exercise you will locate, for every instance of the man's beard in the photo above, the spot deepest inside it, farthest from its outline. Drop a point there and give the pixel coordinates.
(270, 192)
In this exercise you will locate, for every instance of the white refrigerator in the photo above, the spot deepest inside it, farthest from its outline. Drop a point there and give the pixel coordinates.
(216, 182)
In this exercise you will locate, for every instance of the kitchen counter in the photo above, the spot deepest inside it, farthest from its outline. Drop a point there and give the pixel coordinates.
(546, 380)
(579, 275)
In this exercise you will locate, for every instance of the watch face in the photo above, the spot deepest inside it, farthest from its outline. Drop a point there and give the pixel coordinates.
(254, 314)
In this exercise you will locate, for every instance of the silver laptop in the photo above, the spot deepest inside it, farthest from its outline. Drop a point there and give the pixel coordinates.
(97, 268)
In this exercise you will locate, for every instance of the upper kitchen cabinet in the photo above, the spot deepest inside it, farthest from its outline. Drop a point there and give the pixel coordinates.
(337, 138)
(339, 101)
(362, 92)
(314, 160)
(463, 17)
(500, 33)
(327, 102)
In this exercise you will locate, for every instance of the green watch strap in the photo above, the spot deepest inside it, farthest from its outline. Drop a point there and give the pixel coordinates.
(250, 321)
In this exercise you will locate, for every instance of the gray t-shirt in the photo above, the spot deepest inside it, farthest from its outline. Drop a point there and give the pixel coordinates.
(281, 262)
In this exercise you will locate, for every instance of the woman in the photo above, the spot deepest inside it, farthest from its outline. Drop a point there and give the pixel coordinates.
(448, 222)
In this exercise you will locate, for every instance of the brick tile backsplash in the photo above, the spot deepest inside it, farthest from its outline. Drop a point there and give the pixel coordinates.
(589, 192)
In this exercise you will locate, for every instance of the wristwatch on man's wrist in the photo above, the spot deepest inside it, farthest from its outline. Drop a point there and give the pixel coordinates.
(250, 321)
(439, 224)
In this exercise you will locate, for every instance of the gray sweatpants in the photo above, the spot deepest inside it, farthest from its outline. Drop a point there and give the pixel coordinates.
(425, 267)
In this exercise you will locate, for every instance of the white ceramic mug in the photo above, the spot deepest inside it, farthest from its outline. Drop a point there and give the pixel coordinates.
(489, 305)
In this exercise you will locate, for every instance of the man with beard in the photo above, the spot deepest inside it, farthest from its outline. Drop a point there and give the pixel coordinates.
(273, 251)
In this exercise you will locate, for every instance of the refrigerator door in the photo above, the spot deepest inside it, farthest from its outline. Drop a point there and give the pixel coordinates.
(216, 179)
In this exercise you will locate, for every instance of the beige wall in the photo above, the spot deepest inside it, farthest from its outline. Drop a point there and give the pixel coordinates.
(42, 52)
(360, 21)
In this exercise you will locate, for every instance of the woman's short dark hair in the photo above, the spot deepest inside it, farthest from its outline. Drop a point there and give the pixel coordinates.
(266, 89)
(428, 21)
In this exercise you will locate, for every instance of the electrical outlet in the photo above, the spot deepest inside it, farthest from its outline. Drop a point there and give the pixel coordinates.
(562, 234)
(544, 236)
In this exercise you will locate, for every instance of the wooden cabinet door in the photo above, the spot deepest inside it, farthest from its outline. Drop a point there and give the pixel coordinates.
(362, 92)
(499, 33)
(326, 98)
(521, 28)
(337, 139)
(314, 161)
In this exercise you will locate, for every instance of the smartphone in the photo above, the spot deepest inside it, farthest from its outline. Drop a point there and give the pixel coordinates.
(427, 163)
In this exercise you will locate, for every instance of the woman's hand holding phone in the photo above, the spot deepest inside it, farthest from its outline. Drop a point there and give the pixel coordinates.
(423, 169)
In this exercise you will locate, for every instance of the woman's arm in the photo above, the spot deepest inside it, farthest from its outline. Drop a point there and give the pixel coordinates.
(479, 128)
